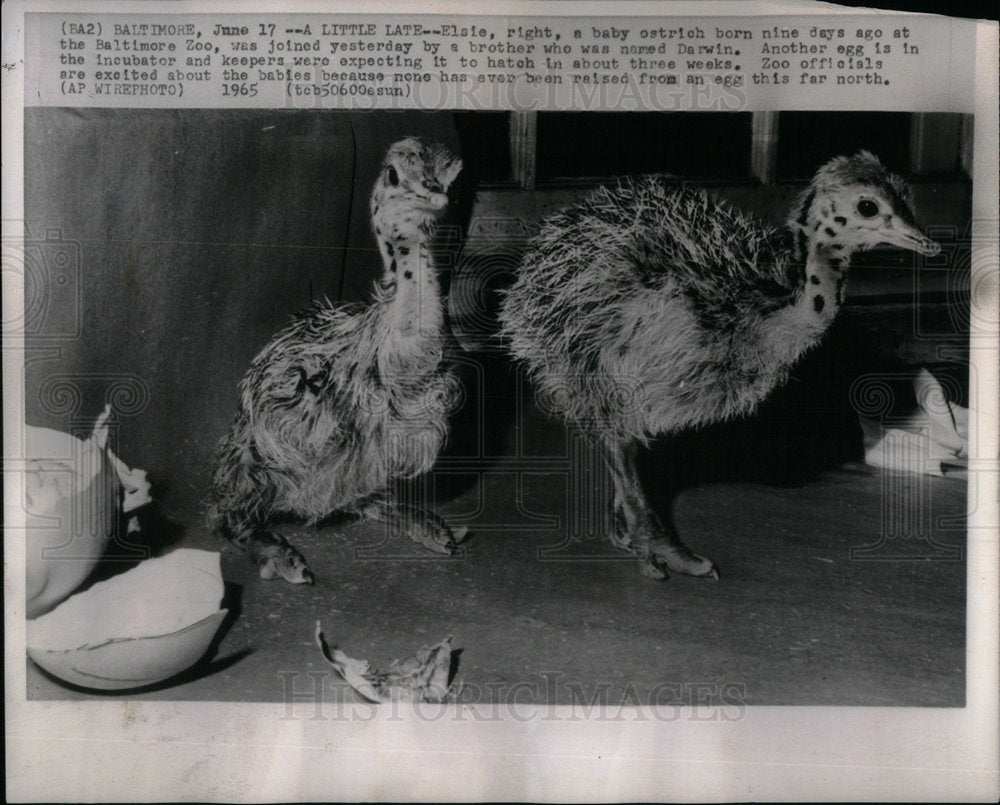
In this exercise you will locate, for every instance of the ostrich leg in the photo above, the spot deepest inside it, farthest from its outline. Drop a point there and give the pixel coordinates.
(637, 527)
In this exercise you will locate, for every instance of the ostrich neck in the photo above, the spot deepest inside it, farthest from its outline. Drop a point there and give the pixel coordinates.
(815, 303)
(411, 312)
(825, 283)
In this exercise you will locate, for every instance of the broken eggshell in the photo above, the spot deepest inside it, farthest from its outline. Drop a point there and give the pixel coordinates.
(421, 678)
(135, 629)
(72, 500)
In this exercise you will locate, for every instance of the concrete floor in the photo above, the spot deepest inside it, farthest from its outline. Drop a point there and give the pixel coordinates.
(826, 597)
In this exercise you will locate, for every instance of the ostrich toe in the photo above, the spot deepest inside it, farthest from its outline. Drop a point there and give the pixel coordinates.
(435, 535)
(276, 558)
(676, 556)
(421, 525)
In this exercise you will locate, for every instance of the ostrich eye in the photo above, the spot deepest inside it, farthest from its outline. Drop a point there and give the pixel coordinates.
(391, 176)
(867, 208)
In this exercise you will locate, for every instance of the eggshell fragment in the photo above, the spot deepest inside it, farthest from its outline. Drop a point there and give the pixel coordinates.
(421, 678)
(137, 628)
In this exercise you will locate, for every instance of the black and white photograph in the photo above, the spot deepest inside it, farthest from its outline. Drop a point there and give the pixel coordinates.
(651, 408)
(346, 413)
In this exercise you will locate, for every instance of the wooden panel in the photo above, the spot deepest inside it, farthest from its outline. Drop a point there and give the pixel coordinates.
(764, 146)
(523, 147)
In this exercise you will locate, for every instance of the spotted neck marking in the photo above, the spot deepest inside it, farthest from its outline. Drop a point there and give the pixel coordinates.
(818, 246)
(412, 316)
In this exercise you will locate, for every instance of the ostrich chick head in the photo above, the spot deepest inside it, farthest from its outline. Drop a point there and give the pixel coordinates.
(413, 183)
(854, 204)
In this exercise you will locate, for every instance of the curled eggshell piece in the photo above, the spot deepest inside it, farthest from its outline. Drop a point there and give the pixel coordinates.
(420, 678)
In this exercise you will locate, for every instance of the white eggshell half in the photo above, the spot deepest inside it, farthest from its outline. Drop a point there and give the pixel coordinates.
(137, 628)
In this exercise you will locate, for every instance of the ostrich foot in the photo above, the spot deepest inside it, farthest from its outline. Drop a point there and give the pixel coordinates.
(638, 529)
(276, 558)
(660, 553)
(422, 526)
(676, 556)
(431, 531)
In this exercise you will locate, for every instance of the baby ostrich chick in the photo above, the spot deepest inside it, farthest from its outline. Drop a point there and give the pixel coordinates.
(349, 399)
(650, 308)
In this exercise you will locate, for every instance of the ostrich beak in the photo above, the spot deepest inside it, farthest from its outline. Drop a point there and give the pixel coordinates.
(909, 237)
(450, 173)
(448, 169)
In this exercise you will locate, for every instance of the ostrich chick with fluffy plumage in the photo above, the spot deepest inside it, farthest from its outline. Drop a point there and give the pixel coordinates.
(350, 399)
(650, 307)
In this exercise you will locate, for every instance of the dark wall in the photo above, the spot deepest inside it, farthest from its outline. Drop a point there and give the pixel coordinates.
(165, 247)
